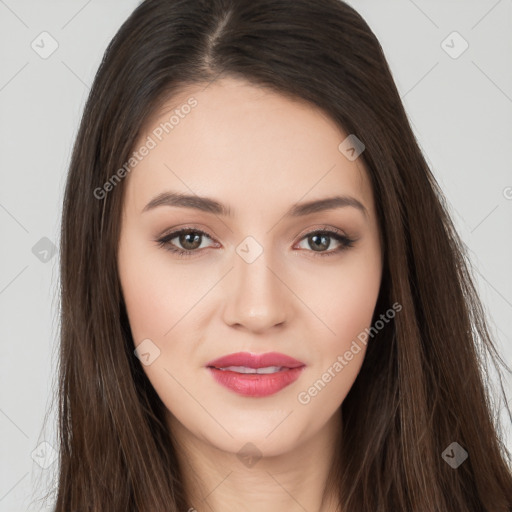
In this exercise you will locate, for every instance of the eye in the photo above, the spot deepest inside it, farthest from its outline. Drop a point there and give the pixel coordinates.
(320, 240)
(191, 239)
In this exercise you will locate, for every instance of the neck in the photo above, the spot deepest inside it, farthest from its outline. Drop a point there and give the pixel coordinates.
(216, 480)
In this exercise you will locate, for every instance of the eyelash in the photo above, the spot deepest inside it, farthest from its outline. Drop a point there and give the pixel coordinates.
(345, 241)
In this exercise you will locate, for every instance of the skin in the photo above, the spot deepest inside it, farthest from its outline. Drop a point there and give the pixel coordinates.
(260, 153)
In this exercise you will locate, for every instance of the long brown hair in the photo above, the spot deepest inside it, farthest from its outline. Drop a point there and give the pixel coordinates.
(421, 387)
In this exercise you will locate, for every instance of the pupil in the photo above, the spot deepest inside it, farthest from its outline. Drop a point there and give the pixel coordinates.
(194, 244)
(322, 237)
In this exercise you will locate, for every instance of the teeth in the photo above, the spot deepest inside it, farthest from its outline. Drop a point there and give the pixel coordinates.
(245, 369)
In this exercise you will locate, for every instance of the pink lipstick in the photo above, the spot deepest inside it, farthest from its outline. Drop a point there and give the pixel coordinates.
(255, 375)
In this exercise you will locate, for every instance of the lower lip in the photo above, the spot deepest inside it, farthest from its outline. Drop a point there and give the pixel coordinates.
(254, 384)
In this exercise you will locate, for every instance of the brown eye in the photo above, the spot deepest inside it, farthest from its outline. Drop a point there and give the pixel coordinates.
(319, 241)
(189, 240)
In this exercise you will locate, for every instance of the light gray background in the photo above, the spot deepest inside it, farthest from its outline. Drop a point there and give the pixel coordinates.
(460, 109)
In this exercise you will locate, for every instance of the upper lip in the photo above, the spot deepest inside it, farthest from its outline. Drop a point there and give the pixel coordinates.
(251, 360)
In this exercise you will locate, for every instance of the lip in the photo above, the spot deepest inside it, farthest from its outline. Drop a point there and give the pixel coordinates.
(255, 360)
(252, 384)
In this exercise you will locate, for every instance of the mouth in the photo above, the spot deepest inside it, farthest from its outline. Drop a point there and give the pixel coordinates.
(246, 370)
(255, 375)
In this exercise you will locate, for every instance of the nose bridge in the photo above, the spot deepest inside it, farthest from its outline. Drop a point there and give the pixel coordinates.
(256, 295)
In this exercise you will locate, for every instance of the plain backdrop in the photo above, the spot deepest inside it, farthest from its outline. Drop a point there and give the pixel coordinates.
(458, 99)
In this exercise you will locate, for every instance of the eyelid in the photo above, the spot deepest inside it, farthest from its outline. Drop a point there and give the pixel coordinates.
(321, 228)
(177, 231)
(186, 227)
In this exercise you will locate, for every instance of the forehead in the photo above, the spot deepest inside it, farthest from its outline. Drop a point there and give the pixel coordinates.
(232, 139)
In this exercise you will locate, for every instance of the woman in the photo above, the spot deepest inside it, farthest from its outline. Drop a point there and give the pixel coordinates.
(265, 304)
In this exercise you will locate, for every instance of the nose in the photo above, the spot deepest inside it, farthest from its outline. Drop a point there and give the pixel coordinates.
(257, 297)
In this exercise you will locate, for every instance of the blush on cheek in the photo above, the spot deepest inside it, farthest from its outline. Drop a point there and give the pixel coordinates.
(157, 296)
(351, 315)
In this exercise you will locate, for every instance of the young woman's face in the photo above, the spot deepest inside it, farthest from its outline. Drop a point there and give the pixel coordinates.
(262, 275)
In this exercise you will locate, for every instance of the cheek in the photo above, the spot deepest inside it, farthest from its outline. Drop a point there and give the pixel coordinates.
(354, 304)
(340, 350)
(157, 293)
(346, 307)
(158, 297)
(344, 300)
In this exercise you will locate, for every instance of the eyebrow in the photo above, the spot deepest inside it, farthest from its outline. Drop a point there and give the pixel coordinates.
(209, 205)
